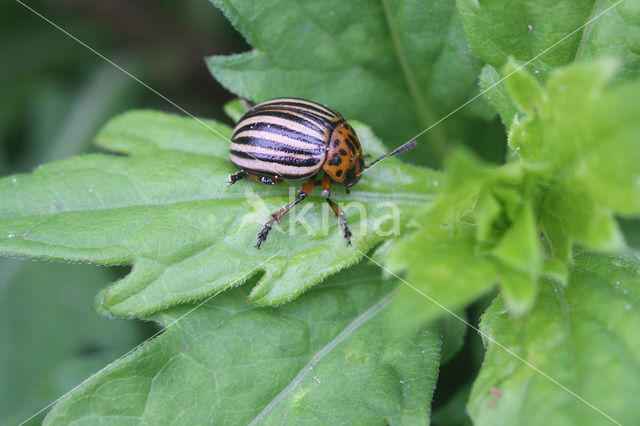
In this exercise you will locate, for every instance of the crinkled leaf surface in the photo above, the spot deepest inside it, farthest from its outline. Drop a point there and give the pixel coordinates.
(585, 336)
(398, 66)
(526, 28)
(328, 358)
(574, 164)
(166, 209)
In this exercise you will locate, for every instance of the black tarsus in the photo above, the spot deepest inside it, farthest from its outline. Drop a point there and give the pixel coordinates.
(243, 174)
(233, 178)
(326, 193)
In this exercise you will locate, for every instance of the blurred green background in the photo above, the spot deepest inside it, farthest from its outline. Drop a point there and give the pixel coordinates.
(55, 95)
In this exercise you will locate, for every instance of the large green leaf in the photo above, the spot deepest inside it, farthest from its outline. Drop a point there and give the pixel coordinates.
(585, 336)
(529, 27)
(398, 66)
(50, 336)
(166, 209)
(328, 358)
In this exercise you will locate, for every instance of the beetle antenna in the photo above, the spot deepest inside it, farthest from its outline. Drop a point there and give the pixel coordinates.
(398, 150)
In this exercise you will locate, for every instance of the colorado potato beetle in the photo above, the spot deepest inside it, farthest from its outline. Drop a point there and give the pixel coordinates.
(292, 139)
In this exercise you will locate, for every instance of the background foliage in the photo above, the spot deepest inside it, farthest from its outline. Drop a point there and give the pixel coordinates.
(528, 231)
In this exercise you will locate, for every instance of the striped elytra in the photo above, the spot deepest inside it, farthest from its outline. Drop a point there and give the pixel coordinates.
(291, 139)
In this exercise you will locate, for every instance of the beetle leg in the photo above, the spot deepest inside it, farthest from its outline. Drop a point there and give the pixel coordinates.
(236, 177)
(326, 193)
(267, 180)
(275, 217)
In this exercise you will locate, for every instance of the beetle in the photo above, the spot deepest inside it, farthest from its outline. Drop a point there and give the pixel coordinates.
(292, 139)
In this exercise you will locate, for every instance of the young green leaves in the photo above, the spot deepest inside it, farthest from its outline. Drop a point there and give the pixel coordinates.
(573, 165)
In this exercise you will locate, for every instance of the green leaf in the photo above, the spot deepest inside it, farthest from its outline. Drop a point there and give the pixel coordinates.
(524, 89)
(445, 260)
(327, 358)
(526, 29)
(167, 210)
(586, 134)
(585, 336)
(46, 327)
(235, 109)
(496, 93)
(575, 163)
(442, 266)
(399, 66)
(529, 27)
(453, 332)
(519, 247)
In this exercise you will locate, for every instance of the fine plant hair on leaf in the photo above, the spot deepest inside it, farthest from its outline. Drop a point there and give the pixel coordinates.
(328, 357)
(165, 208)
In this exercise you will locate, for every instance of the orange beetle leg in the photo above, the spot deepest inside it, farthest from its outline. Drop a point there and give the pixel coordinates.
(275, 217)
(326, 193)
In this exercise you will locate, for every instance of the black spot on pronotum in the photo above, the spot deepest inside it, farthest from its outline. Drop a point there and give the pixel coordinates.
(342, 152)
(339, 173)
(336, 143)
(352, 148)
(351, 175)
(355, 141)
(335, 160)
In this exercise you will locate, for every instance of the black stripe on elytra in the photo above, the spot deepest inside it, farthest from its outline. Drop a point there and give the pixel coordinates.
(287, 161)
(279, 130)
(311, 121)
(277, 146)
(311, 108)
